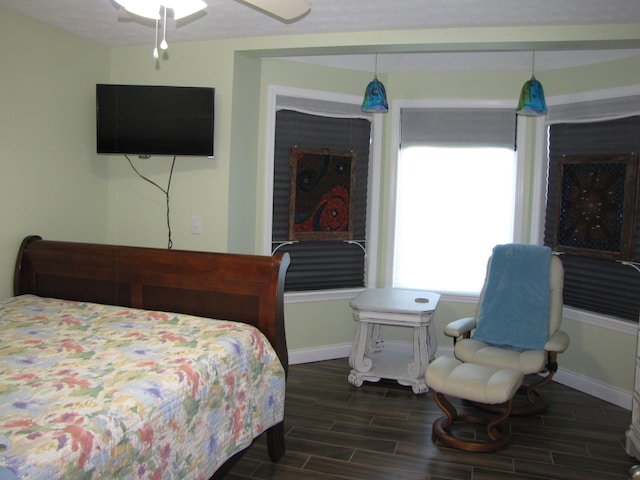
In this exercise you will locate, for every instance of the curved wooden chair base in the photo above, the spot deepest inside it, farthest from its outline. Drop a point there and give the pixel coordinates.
(497, 437)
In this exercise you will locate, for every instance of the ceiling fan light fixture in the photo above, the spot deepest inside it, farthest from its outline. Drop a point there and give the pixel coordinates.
(182, 9)
(151, 9)
(286, 10)
(141, 8)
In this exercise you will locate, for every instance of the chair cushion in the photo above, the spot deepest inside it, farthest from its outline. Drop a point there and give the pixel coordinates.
(478, 383)
(516, 302)
(474, 351)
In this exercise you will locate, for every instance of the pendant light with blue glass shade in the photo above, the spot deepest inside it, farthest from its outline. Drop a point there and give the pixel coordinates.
(375, 96)
(532, 102)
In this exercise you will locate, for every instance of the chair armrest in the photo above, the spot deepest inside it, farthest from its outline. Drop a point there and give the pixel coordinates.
(558, 342)
(460, 327)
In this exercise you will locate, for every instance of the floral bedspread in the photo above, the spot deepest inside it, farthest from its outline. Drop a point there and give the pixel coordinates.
(96, 391)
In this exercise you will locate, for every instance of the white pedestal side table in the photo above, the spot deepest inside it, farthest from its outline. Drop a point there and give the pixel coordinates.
(402, 308)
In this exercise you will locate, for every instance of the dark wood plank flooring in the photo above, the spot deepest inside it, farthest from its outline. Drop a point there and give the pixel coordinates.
(383, 431)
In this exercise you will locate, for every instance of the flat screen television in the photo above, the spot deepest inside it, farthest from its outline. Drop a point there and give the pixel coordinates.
(154, 120)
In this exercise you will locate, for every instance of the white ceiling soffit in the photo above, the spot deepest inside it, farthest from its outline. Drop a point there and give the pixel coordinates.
(467, 61)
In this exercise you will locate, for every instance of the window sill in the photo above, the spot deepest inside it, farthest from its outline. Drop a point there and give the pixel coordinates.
(600, 320)
(349, 293)
(582, 316)
(321, 295)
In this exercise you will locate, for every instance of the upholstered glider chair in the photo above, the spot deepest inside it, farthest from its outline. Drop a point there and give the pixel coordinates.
(517, 322)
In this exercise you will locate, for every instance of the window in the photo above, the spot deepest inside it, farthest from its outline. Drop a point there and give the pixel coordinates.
(321, 264)
(446, 248)
(601, 285)
(455, 196)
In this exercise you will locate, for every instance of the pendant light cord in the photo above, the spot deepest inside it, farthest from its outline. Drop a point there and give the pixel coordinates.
(164, 45)
(155, 45)
(533, 64)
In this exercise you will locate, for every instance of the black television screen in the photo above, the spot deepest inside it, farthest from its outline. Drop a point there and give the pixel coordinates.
(154, 120)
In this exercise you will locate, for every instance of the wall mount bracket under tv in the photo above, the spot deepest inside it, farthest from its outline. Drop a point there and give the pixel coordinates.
(155, 120)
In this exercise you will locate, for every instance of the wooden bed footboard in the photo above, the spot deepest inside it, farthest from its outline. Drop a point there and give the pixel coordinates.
(242, 288)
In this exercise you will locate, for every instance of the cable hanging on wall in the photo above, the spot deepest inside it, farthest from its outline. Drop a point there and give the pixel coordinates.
(166, 193)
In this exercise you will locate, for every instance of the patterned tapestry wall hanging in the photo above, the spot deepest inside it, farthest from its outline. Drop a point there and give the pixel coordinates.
(597, 208)
(322, 187)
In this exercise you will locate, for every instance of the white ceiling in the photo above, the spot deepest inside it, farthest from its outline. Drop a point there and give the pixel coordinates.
(98, 21)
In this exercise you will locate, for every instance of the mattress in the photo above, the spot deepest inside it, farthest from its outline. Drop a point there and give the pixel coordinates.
(98, 391)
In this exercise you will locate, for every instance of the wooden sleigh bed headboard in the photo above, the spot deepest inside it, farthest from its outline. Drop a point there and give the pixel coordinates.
(243, 288)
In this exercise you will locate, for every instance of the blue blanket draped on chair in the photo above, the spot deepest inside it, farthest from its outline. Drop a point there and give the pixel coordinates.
(516, 303)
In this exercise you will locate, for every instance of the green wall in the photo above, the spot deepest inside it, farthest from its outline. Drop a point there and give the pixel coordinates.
(54, 184)
(244, 202)
(200, 186)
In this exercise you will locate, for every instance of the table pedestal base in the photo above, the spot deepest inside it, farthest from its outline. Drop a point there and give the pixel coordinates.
(370, 362)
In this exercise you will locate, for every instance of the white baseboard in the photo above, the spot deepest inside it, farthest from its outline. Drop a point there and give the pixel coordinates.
(582, 383)
(597, 389)
(330, 352)
(318, 354)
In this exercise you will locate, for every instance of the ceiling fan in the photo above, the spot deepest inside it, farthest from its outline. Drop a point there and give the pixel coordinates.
(286, 10)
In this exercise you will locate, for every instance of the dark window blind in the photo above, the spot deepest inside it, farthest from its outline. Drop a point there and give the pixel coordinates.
(593, 284)
(320, 265)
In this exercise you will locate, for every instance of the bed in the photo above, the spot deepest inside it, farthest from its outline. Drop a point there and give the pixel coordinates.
(131, 362)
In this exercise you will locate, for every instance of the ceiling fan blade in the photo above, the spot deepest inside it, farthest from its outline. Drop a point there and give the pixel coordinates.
(287, 10)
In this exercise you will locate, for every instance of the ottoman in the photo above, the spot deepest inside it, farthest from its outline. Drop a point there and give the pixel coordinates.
(476, 383)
